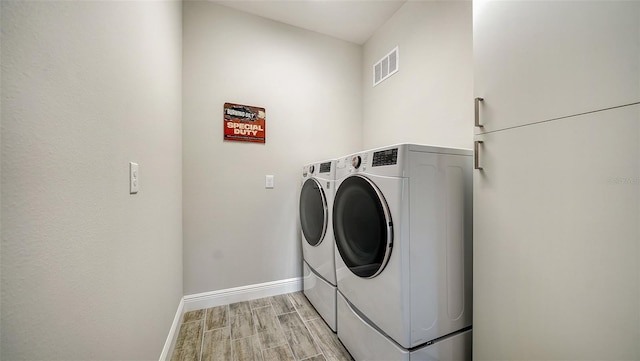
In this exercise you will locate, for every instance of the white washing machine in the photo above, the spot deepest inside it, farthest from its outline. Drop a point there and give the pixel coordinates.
(318, 250)
(403, 230)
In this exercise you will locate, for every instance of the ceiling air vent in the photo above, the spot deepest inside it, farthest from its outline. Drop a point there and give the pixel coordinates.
(386, 67)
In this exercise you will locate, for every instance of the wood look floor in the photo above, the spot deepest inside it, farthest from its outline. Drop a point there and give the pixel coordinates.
(279, 328)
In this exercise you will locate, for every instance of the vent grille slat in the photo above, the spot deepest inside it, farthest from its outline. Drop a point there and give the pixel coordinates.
(378, 73)
(386, 67)
(393, 62)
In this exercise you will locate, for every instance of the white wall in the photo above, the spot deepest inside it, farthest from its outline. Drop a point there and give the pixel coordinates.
(1, 185)
(430, 99)
(89, 271)
(236, 232)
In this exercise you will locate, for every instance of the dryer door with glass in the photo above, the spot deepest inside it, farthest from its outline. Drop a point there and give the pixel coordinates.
(362, 226)
(313, 212)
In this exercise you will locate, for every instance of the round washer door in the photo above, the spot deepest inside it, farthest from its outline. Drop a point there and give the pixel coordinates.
(362, 226)
(313, 212)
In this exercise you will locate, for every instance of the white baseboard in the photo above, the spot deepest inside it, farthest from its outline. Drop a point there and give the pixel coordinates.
(173, 333)
(238, 294)
(222, 297)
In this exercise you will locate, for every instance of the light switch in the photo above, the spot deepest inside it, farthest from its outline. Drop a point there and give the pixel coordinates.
(133, 178)
(268, 181)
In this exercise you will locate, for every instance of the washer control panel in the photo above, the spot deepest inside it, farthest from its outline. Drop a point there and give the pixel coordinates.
(325, 167)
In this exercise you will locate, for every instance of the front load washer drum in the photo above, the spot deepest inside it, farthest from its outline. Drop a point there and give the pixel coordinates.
(313, 212)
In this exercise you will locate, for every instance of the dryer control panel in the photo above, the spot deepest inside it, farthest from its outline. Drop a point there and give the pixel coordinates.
(385, 157)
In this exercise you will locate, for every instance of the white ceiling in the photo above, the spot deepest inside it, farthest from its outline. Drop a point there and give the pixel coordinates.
(351, 20)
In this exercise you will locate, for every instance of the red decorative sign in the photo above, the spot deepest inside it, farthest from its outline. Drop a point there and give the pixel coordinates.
(243, 123)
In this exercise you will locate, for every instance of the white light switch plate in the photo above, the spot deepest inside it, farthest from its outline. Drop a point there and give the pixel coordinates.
(268, 181)
(133, 178)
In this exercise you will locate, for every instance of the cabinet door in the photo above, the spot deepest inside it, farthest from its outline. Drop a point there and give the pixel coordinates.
(557, 241)
(541, 60)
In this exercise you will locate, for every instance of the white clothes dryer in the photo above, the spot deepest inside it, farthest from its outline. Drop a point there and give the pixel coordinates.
(402, 223)
(318, 249)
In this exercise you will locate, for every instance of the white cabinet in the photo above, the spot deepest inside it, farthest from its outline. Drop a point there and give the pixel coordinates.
(557, 203)
(557, 240)
(541, 60)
